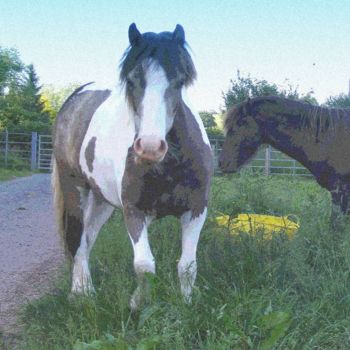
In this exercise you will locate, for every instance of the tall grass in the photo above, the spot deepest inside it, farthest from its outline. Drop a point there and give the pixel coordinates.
(10, 174)
(251, 293)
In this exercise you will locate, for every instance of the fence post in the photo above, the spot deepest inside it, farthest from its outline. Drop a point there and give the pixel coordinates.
(6, 147)
(267, 160)
(33, 158)
(294, 166)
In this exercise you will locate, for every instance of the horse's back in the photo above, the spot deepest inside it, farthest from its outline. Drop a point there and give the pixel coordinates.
(72, 123)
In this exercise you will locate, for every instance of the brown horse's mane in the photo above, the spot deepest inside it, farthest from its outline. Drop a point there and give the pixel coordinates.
(319, 120)
(325, 120)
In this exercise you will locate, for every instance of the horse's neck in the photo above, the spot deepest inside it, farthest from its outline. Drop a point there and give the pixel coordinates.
(190, 143)
(188, 130)
(290, 139)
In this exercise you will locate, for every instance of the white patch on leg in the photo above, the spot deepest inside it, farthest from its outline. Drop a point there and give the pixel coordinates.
(96, 213)
(143, 262)
(187, 266)
(81, 280)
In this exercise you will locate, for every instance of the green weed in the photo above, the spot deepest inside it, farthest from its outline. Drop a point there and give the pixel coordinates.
(251, 293)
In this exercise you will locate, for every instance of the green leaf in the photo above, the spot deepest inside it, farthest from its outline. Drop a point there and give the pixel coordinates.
(151, 342)
(276, 323)
(108, 343)
(146, 314)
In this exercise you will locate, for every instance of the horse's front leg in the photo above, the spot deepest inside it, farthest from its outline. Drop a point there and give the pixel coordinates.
(187, 267)
(137, 224)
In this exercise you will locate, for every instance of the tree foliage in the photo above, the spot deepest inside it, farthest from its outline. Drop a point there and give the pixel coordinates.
(208, 119)
(211, 127)
(11, 69)
(243, 88)
(21, 108)
(341, 100)
(53, 98)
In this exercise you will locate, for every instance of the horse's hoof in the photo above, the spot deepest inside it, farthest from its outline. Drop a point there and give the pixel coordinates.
(187, 299)
(80, 290)
(75, 296)
(135, 301)
(133, 305)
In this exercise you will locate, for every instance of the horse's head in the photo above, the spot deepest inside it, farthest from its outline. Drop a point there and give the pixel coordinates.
(154, 69)
(243, 137)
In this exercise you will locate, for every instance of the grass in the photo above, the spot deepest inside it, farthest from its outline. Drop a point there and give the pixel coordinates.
(10, 174)
(250, 293)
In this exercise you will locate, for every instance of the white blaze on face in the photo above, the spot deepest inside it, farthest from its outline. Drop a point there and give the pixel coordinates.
(151, 144)
(153, 109)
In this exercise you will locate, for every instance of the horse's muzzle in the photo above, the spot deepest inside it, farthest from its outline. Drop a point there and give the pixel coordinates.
(150, 148)
(226, 164)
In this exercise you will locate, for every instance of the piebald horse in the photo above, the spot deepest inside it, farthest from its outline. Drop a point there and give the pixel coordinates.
(141, 148)
(317, 137)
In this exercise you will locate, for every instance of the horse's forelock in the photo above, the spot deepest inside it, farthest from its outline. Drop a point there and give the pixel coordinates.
(231, 117)
(170, 54)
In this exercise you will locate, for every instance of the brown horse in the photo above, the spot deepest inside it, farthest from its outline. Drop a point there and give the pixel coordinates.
(140, 148)
(317, 137)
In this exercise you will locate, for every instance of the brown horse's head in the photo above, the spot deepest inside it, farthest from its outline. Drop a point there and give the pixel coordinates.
(243, 137)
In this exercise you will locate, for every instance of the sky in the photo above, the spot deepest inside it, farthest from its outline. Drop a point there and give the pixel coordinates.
(305, 43)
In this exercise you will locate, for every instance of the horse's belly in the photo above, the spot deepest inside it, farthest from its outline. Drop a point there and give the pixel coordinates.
(104, 169)
(104, 180)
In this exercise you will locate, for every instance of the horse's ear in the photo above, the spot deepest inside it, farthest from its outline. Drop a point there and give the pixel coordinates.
(134, 34)
(179, 34)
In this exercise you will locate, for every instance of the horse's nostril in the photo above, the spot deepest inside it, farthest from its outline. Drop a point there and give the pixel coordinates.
(150, 148)
(137, 145)
(163, 146)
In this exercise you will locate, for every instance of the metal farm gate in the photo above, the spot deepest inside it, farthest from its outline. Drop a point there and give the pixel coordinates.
(32, 150)
(44, 152)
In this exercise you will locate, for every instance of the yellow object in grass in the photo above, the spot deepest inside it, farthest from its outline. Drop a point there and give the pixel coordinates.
(251, 223)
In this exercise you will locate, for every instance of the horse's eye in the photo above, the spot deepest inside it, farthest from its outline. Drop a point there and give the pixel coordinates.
(130, 84)
(180, 83)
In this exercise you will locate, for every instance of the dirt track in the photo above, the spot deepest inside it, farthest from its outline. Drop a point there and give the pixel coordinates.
(30, 250)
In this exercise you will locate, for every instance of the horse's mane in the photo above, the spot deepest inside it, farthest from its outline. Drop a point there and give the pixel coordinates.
(320, 120)
(171, 55)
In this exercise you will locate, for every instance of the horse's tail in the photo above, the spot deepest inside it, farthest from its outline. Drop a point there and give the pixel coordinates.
(75, 92)
(58, 200)
(68, 214)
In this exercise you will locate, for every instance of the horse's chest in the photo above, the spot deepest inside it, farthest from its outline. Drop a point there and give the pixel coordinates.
(169, 192)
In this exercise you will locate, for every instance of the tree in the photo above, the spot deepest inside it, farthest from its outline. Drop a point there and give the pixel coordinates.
(33, 118)
(341, 100)
(208, 119)
(211, 127)
(243, 88)
(53, 98)
(11, 69)
(21, 108)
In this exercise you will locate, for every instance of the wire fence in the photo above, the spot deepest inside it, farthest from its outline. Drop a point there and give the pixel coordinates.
(18, 150)
(267, 160)
(33, 151)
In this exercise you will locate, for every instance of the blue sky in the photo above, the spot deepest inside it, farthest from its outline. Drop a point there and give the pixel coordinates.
(306, 42)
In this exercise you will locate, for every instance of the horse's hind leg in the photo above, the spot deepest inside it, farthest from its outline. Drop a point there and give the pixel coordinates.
(187, 267)
(95, 213)
(340, 202)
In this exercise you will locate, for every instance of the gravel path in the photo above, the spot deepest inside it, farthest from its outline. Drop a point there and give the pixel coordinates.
(30, 250)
